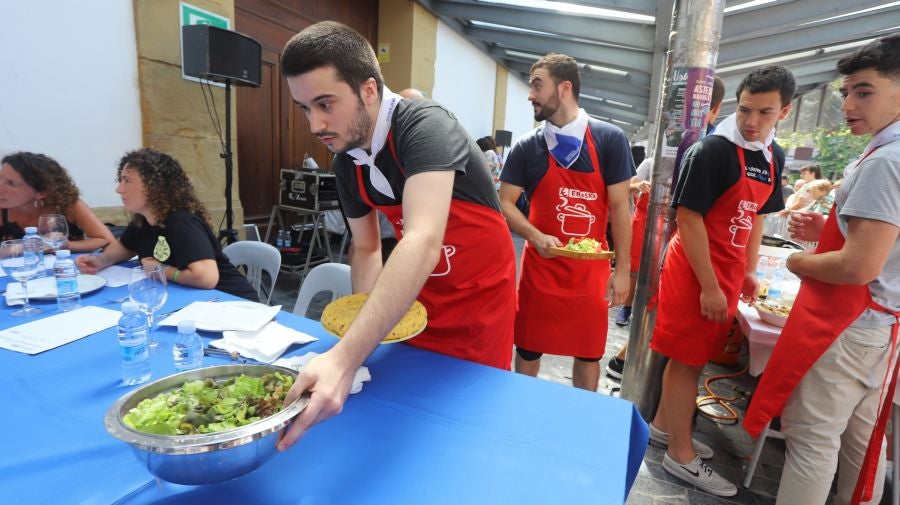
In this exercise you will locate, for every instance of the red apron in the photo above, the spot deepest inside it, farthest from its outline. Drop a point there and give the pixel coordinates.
(470, 296)
(638, 224)
(681, 332)
(561, 306)
(814, 323)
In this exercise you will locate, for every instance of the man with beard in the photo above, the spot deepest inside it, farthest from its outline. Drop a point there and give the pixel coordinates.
(412, 160)
(576, 171)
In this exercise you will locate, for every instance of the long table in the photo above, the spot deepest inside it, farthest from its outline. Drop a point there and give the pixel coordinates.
(426, 429)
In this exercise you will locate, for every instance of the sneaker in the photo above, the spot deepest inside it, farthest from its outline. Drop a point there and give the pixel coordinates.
(623, 317)
(660, 438)
(615, 368)
(701, 475)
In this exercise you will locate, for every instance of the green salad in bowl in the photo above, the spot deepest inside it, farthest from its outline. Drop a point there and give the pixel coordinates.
(207, 406)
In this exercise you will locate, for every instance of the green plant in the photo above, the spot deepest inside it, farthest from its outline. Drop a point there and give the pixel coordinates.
(836, 147)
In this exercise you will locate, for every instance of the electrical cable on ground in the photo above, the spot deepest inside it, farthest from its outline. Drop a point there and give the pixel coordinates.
(713, 399)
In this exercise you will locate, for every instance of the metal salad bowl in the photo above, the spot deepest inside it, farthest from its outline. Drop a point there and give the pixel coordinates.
(205, 458)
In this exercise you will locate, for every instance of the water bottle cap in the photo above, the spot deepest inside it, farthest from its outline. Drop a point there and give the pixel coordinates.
(187, 327)
(130, 306)
(62, 254)
(31, 230)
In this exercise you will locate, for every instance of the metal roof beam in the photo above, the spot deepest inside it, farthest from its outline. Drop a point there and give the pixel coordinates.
(768, 19)
(636, 35)
(615, 57)
(808, 37)
(637, 82)
(646, 7)
(605, 109)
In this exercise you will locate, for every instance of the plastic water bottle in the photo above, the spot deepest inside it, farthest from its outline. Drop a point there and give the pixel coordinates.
(31, 234)
(132, 332)
(777, 282)
(279, 240)
(67, 295)
(188, 349)
(762, 277)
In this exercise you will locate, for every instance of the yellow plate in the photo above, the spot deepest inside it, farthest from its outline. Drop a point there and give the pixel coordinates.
(338, 315)
(562, 251)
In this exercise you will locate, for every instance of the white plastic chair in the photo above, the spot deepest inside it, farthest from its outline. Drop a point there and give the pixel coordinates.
(256, 258)
(333, 277)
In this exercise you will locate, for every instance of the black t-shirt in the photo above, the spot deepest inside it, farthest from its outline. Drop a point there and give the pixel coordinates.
(189, 239)
(527, 162)
(427, 137)
(10, 230)
(711, 166)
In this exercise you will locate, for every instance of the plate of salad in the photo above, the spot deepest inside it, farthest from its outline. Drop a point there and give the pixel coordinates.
(583, 248)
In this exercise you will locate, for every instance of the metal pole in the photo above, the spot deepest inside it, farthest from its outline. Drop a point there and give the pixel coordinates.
(690, 67)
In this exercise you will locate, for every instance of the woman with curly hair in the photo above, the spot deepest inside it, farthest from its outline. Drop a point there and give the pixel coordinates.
(170, 227)
(34, 184)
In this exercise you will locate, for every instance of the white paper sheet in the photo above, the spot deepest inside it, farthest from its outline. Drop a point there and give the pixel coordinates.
(222, 316)
(45, 334)
(116, 275)
(265, 345)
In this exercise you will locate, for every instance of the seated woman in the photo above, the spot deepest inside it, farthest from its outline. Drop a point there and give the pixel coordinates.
(32, 185)
(820, 193)
(170, 227)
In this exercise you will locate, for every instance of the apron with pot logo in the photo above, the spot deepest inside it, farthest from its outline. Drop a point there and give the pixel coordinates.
(470, 296)
(820, 314)
(561, 306)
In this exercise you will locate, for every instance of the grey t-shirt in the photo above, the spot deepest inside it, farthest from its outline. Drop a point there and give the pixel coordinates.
(870, 192)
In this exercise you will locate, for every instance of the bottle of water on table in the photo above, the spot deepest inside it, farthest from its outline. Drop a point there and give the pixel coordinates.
(777, 283)
(187, 352)
(31, 234)
(132, 332)
(67, 295)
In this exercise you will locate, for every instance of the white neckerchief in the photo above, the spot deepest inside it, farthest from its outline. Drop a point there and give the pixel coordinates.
(565, 143)
(728, 128)
(389, 100)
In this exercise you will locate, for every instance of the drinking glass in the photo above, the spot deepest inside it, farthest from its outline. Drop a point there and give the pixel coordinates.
(54, 230)
(19, 259)
(148, 289)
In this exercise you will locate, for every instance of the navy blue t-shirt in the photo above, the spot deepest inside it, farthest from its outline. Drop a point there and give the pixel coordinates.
(527, 161)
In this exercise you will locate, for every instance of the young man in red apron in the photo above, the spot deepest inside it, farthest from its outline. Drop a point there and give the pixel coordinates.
(641, 184)
(576, 172)
(831, 376)
(728, 180)
(413, 161)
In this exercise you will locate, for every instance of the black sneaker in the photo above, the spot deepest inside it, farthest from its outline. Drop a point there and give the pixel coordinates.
(615, 367)
(623, 317)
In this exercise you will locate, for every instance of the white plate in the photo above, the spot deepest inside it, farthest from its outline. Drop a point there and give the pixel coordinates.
(44, 288)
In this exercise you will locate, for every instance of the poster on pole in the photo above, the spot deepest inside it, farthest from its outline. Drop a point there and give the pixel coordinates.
(686, 111)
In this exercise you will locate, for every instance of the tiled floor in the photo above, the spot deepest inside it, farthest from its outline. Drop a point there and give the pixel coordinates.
(653, 484)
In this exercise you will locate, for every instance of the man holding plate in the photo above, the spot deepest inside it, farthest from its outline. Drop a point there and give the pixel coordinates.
(576, 171)
(412, 160)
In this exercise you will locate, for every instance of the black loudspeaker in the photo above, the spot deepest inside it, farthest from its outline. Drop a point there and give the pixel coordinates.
(216, 54)
(503, 138)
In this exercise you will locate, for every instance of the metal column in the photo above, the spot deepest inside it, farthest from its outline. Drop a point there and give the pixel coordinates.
(690, 67)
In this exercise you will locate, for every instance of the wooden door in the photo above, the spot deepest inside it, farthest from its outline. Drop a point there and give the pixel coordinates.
(272, 132)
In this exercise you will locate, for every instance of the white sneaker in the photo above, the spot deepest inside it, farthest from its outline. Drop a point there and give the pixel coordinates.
(660, 438)
(701, 475)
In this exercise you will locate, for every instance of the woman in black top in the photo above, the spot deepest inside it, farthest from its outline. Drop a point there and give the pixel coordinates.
(170, 227)
(33, 184)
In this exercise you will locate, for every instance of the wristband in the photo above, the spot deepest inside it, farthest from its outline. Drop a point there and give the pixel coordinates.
(175, 275)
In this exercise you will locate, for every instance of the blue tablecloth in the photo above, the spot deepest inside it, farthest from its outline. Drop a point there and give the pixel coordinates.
(426, 429)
